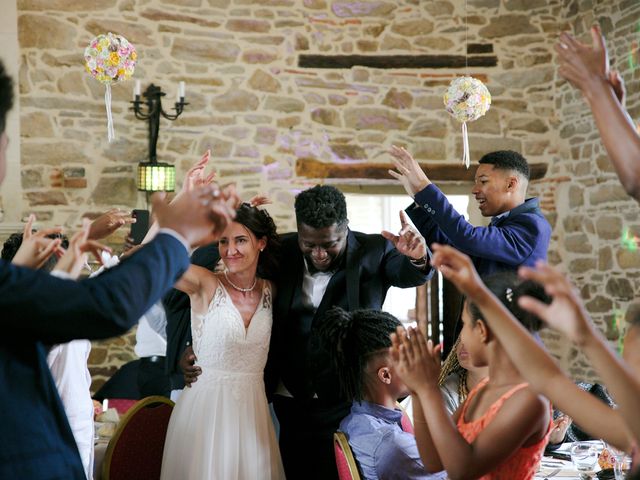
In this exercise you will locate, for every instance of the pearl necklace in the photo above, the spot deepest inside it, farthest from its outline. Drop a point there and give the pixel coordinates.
(240, 289)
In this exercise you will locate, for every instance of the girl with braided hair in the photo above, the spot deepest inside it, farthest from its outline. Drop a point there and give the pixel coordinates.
(358, 344)
(458, 377)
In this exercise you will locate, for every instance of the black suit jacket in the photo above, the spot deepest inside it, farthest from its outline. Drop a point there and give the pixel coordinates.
(39, 309)
(178, 309)
(370, 267)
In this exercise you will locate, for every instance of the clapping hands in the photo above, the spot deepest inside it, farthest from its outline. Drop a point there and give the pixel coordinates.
(582, 65)
(80, 245)
(415, 360)
(109, 222)
(37, 248)
(195, 176)
(199, 215)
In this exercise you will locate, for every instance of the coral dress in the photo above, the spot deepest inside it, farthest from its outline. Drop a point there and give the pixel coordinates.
(221, 428)
(522, 464)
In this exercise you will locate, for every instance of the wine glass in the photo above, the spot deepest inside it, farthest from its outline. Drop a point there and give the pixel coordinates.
(622, 461)
(584, 456)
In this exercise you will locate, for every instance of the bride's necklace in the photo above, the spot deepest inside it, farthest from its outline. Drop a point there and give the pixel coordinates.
(240, 289)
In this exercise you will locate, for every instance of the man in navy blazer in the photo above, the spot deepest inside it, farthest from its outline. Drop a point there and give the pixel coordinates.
(38, 310)
(518, 233)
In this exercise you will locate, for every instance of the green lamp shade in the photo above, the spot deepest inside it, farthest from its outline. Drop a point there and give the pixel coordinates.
(156, 177)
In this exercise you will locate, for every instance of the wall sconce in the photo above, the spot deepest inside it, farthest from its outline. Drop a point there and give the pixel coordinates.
(154, 176)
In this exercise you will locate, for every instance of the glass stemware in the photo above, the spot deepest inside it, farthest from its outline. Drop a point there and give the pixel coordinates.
(584, 456)
(622, 462)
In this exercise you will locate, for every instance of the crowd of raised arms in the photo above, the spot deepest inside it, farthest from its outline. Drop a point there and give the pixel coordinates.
(272, 342)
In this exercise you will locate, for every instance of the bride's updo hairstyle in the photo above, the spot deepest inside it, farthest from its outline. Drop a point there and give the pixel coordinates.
(260, 223)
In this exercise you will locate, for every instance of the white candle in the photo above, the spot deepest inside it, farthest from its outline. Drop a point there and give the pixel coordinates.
(181, 90)
(136, 90)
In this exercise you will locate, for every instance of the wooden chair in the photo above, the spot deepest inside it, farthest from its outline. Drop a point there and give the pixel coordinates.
(135, 450)
(345, 461)
(405, 421)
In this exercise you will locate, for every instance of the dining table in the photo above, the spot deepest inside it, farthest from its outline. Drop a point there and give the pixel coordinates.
(553, 467)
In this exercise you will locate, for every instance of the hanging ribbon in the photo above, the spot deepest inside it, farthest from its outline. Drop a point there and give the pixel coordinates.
(111, 134)
(465, 145)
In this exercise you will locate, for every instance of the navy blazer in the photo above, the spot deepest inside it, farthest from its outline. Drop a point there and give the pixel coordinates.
(371, 266)
(39, 309)
(519, 238)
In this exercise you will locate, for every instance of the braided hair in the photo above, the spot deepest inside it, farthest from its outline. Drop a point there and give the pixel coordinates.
(452, 365)
(260, 223)
(352, 339)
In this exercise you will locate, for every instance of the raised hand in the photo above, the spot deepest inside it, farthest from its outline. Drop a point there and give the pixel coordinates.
(36, 248)
(199, 215)
(559, 429)
(195, 176)
(458, 268)
(409, 242)
(80, 245)
(409, 172)
(566, 312)
(259, 200)
(415, 361)
(109, 222)
(584, 66)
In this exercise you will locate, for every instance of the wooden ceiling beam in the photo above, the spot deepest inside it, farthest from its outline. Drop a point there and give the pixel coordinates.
(437, 171)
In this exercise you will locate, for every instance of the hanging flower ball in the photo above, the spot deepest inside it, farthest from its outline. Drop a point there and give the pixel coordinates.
(467, 99)
(110, 58)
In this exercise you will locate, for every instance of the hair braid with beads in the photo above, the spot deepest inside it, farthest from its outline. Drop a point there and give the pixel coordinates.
(450, 366)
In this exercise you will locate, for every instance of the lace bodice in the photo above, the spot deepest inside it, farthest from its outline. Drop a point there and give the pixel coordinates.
(221, 341)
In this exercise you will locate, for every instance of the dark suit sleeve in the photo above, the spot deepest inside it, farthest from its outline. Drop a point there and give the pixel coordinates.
(38, 306)
(178, 308)
(511, 244)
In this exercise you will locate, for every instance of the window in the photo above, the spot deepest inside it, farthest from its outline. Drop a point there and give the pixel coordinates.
(372, 213)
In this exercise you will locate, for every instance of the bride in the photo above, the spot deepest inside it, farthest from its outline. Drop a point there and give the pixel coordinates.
(221, 428)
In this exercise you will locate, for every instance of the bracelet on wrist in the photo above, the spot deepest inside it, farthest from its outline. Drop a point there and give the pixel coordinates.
(419, 262)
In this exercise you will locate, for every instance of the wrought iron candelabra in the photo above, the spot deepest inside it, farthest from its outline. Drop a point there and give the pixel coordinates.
(154, 176)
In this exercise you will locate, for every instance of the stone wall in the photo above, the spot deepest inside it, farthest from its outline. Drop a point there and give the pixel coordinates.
(267, 119)
(591, 209)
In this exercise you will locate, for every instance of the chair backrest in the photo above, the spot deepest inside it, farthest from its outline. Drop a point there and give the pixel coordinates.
(122, 405)
(345, 461)
(405, 421)
(135, 450)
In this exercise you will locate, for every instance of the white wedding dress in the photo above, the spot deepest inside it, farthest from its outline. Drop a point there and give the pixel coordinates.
(221, 428)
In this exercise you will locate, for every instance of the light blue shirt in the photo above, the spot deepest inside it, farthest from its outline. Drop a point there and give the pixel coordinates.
(382, 449)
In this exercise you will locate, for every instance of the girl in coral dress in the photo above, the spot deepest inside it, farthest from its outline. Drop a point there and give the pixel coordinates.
(501, 429)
